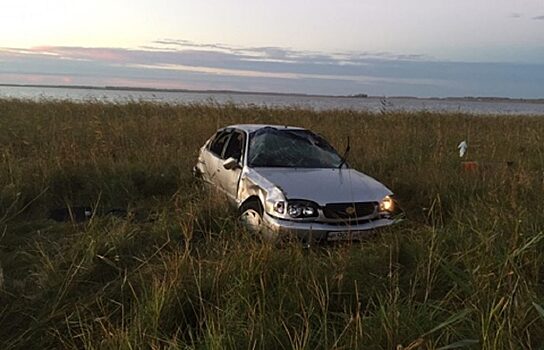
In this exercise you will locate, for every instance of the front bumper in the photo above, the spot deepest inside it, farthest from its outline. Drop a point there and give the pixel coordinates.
(321, 232)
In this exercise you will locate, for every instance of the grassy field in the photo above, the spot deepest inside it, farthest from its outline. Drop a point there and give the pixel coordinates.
(465, 269)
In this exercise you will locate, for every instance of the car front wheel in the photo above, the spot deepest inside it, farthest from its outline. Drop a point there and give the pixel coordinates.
(251, 216)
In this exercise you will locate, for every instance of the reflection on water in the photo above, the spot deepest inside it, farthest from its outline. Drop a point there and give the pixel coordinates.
(314, 102)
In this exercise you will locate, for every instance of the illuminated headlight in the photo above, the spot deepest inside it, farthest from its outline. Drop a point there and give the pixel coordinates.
(302, 209)
(387, 204)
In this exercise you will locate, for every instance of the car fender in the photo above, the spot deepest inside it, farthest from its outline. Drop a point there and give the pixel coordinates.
(252, 184)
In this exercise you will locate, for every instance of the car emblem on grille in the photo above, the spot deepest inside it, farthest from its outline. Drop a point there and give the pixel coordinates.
(350, 210)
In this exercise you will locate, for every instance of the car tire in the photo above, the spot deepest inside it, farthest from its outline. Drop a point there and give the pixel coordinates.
(251, 216)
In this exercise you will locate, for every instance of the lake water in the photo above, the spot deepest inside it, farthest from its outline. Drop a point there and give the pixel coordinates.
(374, 104)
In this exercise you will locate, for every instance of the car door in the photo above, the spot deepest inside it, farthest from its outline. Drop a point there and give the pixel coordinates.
(229, 178)
(212, 157)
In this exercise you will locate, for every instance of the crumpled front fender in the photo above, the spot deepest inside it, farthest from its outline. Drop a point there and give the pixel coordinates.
(252, 184)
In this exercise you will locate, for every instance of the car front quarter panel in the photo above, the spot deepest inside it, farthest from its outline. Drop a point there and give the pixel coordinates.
(252, 184)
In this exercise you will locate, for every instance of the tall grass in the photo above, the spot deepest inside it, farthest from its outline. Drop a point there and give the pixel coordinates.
(463, 271)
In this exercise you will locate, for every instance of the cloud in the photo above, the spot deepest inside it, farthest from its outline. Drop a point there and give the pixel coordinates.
(222, 57)
(539, 18)
(515, 15)
(279, 53)
(170, 63)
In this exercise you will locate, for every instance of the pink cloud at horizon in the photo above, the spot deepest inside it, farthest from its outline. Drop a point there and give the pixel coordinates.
(93, 54)
(58, 79)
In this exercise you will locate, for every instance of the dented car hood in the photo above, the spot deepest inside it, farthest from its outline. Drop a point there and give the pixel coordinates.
(326, 185)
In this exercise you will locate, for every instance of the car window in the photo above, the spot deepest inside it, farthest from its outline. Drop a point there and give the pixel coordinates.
(235, 146)
(218, 143)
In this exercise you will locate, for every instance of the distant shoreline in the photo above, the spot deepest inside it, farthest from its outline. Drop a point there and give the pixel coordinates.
(271, 93)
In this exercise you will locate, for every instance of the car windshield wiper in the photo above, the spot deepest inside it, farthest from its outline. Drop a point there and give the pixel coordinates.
(345, 156)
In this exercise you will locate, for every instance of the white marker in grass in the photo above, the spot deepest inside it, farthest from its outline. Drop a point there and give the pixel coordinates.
(463, 146)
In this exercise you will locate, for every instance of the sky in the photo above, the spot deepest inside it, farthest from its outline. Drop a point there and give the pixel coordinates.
(428, 48)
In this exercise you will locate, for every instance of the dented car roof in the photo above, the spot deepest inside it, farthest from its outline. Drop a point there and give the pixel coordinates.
(254, 127)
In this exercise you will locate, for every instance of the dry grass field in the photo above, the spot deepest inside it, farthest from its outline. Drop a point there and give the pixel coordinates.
(464, 270)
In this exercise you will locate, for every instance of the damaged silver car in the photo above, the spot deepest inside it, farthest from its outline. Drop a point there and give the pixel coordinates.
(289, 181)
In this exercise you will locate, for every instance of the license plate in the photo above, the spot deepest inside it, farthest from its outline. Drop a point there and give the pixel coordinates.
(343, 235)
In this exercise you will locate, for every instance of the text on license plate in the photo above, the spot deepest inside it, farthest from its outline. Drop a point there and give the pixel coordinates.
(343, 235)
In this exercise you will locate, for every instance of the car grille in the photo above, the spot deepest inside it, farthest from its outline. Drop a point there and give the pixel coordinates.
(349, 210)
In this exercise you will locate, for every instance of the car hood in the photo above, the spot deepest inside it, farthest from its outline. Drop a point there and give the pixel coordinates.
(325, 185)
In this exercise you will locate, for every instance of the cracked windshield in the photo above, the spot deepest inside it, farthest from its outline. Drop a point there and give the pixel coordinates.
(270, 147)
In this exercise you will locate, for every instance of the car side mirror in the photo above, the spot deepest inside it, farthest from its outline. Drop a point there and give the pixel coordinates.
(230, 163)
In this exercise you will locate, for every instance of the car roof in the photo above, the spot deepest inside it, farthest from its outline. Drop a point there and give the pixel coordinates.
(249, 128)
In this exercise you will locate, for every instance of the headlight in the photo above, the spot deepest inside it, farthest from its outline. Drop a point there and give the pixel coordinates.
(387, 204)
(302, 209)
